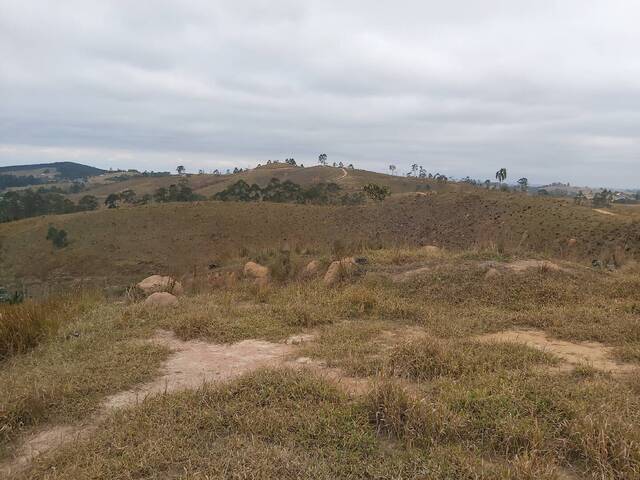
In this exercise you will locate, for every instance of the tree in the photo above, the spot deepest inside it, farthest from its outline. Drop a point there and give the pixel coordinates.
(501, 175)
(376, 192)
(441, 178)
(112, 200)
(414, 169)
(392, 168)
(57, 237)
(216, 172)
(180, 169)
(524, 183)
(128, 196)
(322, 159)
(88, 202)
(603, 198)
(487, 183)
(351, 167)
(160, 195)
(579, 198)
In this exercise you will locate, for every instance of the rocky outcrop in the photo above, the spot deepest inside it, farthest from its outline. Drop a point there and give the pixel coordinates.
(159, 283)
(161, 299)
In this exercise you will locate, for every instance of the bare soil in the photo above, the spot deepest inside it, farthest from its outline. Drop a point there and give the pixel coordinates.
(592, 354)
(604, 212)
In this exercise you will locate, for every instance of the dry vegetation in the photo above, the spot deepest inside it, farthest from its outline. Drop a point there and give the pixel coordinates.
(439, 401)
(114, 247)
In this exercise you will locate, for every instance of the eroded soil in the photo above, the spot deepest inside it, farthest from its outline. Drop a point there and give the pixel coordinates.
(574, 354)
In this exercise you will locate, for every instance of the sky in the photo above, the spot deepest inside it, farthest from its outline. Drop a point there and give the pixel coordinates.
(549, 90)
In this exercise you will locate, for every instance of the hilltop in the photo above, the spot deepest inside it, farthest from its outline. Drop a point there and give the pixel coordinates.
(208, 184)
(51, 171)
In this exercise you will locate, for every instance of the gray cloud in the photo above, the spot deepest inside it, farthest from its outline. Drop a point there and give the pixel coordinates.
(550, 90)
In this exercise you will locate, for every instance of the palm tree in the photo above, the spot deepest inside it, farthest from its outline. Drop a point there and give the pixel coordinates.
(524, 183)
(501, 175)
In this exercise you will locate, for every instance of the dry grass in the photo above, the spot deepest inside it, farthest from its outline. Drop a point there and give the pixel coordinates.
(269, 424)
(112, 247)
(24, 326)
(64, 378)
(441, 405)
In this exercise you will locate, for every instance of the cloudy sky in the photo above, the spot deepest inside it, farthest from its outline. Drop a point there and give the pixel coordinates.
(548, 89)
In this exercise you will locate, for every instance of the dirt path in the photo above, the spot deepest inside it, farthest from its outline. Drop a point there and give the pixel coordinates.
(593, 354)
(604, 212)
(344, 174)
(192, 364)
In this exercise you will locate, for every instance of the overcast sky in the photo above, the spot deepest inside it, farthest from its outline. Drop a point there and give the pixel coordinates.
(548, 89)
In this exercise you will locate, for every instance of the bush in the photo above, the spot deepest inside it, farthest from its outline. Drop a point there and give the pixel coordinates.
(57, 237)
(376, 192)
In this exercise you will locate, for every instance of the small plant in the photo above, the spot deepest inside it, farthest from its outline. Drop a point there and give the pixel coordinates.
(57, 237)
(376, 192)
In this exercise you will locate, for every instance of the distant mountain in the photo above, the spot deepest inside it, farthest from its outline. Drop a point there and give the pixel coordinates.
(65, 170)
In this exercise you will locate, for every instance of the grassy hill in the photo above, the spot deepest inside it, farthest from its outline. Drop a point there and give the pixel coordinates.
(208, 184)
(64, 170)
(120, 245)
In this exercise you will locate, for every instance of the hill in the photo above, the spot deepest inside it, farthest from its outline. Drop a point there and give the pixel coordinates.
(126, 243)
(350, 180)
(61, 170)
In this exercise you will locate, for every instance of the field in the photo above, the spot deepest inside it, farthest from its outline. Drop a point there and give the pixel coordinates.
(418, 366)
(118, 246)
(480, 334)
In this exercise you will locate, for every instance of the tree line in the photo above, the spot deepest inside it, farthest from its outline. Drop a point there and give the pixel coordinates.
(180, 192)
(19, 204)
(289, 192)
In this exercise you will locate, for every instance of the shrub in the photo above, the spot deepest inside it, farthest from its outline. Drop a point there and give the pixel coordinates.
(57, 237)
(376, 192)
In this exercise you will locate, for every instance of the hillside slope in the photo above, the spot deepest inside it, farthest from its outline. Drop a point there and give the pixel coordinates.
(66, 170)
(123, 244)
(207, 184)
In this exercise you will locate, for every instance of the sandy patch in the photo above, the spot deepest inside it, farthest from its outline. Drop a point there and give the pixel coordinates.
(604, 212)
(195, 362)
(593, 354)
(521, 266)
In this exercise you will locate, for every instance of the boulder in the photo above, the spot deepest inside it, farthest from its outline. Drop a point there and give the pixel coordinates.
(161, 299)
(158, 283)
(255, 270)
(572, 242)
(432, 250)
(339, 270)
(311, 270)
